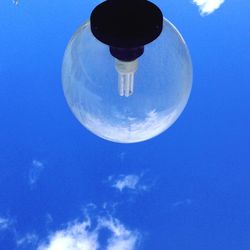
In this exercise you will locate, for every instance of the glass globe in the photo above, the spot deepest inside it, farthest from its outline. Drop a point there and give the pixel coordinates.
(127, 102)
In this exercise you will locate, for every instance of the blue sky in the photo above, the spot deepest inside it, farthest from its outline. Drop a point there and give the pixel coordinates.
(62, 188)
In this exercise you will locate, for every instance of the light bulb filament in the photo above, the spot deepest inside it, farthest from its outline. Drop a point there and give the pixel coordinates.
(126, 71)
(125, 84)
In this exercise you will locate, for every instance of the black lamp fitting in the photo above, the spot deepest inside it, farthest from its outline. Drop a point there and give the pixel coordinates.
(126, 26)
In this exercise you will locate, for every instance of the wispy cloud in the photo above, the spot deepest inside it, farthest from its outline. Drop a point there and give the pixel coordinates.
(29, 239)
(16, 2)
(208, 6)
(122, 156)
(5, 223)
(84, 236)
(130, 182)
(35, 171)
(48, 219)
(185, 202)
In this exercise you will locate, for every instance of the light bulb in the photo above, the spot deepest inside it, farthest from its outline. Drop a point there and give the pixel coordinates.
(124, 99)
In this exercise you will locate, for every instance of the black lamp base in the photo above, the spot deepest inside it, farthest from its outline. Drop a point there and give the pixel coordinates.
(126, 26)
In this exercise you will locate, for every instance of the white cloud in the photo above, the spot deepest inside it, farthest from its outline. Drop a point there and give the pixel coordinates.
(128, 181)
(82, 236)
(132, 182)
(74, 237)
(35, 171)
(122, 239)
(208, 6)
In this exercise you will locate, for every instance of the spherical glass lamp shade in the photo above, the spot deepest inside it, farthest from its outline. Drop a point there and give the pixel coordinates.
(127, 102)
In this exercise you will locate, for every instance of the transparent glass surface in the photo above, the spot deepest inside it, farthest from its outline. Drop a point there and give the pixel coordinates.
(161, 88)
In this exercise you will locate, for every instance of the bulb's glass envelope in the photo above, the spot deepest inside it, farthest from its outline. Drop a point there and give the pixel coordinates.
(161, 86)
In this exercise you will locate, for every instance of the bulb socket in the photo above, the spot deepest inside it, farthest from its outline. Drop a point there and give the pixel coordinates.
(126, 54)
